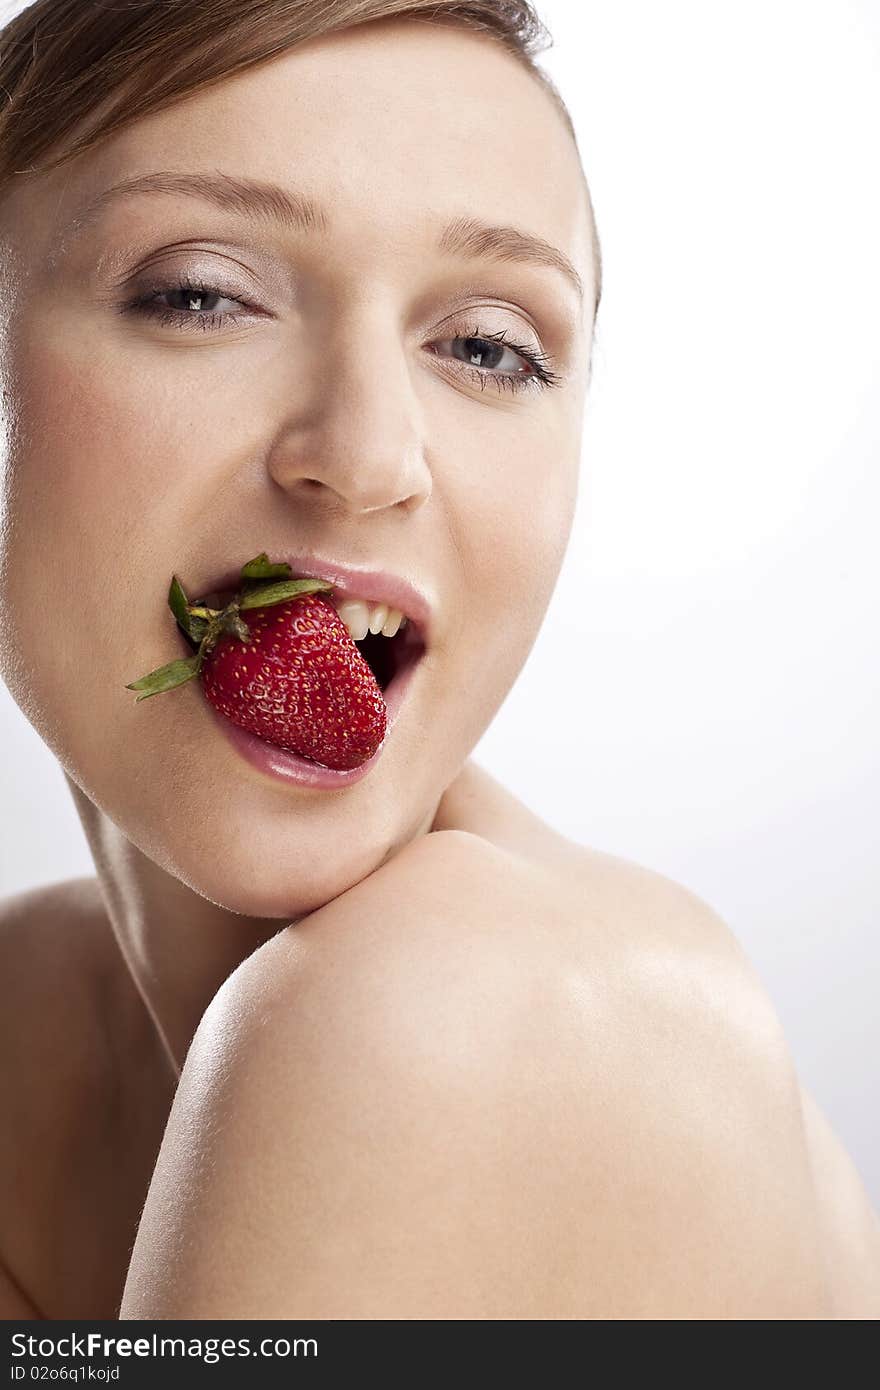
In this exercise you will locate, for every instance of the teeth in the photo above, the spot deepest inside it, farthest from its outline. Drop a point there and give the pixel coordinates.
(356, 616)
(392, 622)
(379, 617)
(361, 617)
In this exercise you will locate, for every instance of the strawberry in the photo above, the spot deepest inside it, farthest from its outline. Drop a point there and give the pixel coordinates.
(291, 674)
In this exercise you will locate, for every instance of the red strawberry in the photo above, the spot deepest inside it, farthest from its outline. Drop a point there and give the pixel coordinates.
(300, 682)
(291, 673)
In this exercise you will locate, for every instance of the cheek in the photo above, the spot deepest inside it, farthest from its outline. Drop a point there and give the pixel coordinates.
(115, 450)
(520, 516)
(102, 428)
(100, 509)
(514, 519)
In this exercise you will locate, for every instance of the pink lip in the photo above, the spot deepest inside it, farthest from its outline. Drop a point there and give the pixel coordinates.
(375, 586)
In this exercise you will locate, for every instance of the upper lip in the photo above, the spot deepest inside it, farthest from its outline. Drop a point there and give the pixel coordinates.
(374, 586)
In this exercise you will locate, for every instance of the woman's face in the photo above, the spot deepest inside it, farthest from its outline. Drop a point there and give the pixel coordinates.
(334, 414)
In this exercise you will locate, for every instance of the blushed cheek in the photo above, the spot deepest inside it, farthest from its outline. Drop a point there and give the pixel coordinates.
(111, 461)
(88, 502)
(93, 412)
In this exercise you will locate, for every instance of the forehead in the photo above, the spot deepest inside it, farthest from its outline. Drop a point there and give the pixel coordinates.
(387, 124)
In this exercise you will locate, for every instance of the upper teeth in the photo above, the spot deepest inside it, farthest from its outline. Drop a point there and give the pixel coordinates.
(361, 617)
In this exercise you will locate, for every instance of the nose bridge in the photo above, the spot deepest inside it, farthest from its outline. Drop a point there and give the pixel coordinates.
(361, 429)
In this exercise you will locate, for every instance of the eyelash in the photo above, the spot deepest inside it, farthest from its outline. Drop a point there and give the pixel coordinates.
(541, 374)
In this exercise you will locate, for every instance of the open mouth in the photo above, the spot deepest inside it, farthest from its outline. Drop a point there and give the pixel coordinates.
(387, 657)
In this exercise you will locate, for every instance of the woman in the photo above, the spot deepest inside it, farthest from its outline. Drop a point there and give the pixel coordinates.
(387, 1045)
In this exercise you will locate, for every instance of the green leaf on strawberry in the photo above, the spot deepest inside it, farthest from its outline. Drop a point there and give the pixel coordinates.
(261, 567)
(194, 627)
(167, 677)
(268, 594)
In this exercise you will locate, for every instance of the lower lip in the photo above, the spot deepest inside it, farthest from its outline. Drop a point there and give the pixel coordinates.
(290, 767)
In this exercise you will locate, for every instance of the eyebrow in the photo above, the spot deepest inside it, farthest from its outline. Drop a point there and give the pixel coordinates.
(261, 201)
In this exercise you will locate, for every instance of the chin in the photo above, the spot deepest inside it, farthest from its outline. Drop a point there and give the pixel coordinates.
(240, 886)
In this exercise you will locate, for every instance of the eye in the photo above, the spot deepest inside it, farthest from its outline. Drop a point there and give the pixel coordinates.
(196, 306)
(494, 357)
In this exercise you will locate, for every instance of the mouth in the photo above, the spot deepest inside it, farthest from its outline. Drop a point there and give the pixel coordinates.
(299, 688)
(367, 599)
(387, 657)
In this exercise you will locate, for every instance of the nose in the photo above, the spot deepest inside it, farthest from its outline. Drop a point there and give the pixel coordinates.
(355, 441)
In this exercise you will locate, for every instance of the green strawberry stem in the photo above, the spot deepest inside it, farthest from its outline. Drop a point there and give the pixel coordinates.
(206, 626)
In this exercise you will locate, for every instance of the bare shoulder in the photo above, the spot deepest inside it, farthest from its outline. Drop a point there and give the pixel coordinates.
(674, 917)
(850, 1227)
(47, 939)
(51, 966)
(41, 908)
(474, 1086)
(43, 930)
(48, 950)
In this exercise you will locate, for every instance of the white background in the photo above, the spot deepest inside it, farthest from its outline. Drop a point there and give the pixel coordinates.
(711, 653)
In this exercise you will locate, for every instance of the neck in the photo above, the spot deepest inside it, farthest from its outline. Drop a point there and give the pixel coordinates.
(177, 946)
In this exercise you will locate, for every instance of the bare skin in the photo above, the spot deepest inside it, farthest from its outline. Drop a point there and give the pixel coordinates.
(339, 411)
(335, 417)
(104, 1046)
